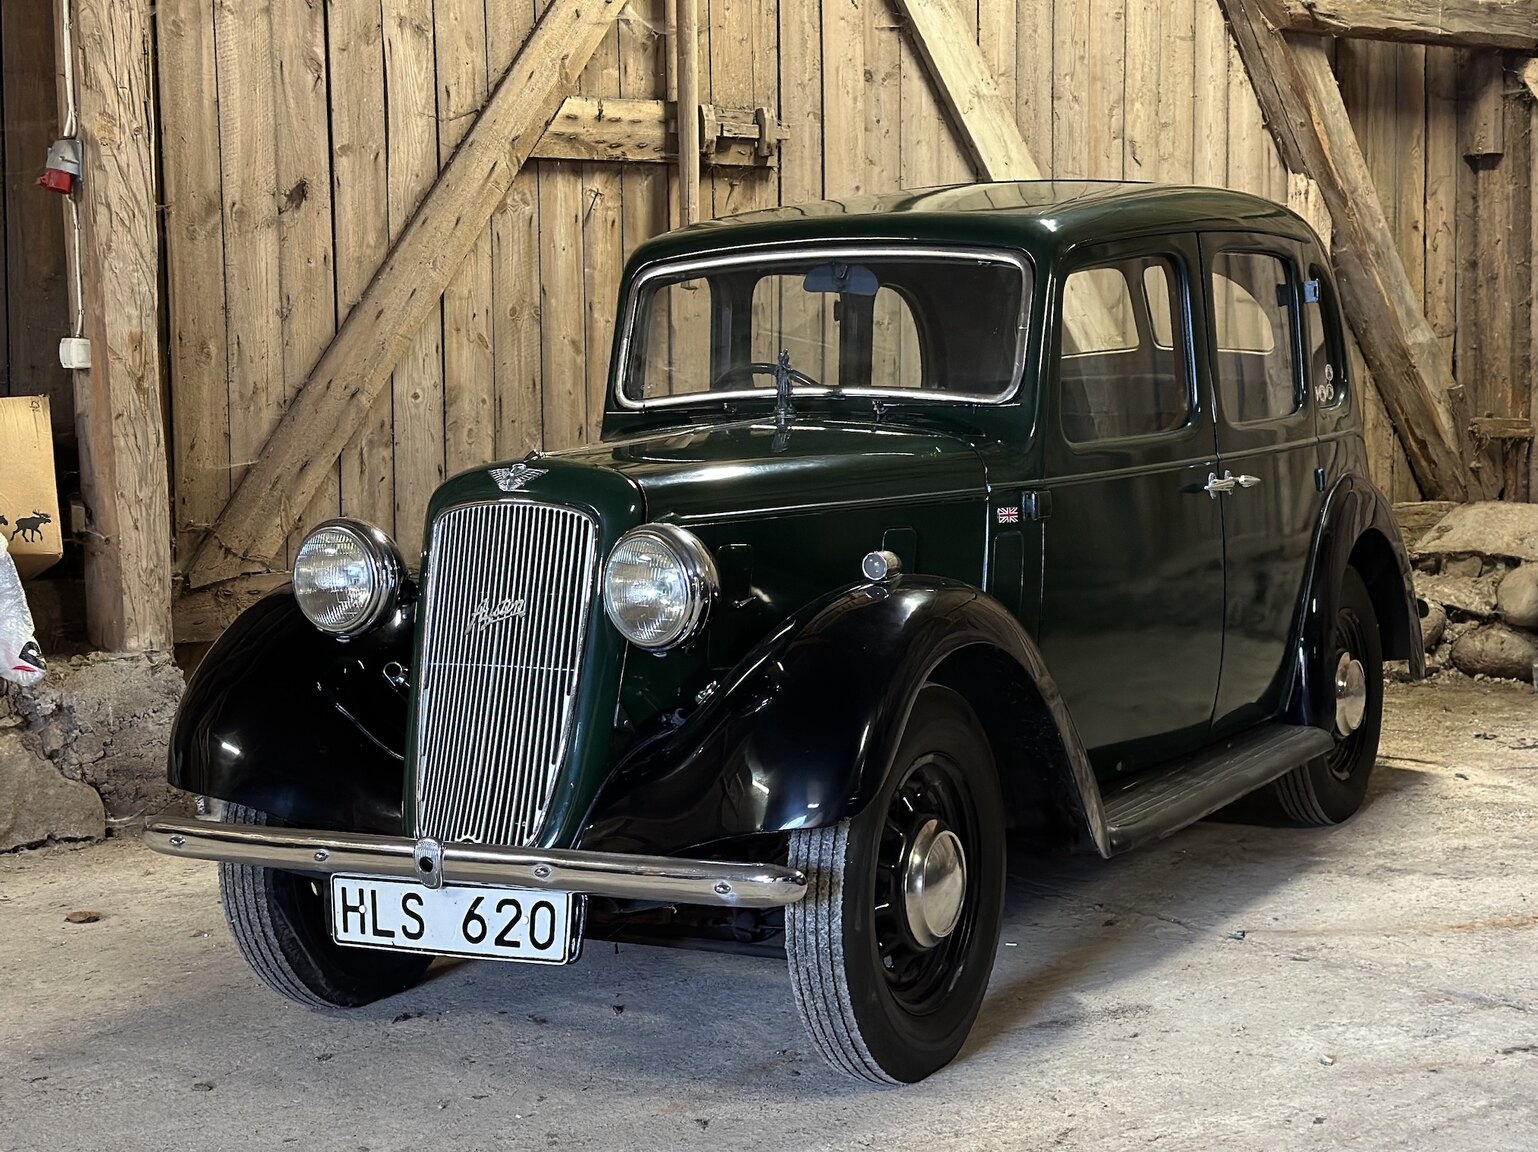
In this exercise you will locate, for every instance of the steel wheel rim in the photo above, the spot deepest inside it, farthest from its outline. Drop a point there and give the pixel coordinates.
(1350, 643)
(931, 792)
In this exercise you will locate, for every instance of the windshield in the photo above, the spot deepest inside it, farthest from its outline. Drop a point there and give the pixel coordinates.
(905, 323)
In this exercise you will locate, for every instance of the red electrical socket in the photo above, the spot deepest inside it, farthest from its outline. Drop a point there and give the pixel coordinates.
(63, 167)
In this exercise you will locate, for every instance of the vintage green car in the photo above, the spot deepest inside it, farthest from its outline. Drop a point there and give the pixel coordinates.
(916, 519)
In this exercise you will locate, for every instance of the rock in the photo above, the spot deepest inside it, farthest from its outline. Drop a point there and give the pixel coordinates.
(1473, 597)
(1517, 597)
(105, 719)
(1496, 650)
(1485, 528)
(1433, 624)
(1462, 566)
(37, 804)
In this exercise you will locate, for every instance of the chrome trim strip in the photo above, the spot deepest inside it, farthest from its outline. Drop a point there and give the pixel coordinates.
(781, 253)
(615, 874)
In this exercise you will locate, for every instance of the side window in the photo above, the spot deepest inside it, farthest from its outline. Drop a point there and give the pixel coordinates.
(1326, 361)
(1122, 368)
(1253, 330)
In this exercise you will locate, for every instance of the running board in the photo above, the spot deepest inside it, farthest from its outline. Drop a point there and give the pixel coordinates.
(1169, 798)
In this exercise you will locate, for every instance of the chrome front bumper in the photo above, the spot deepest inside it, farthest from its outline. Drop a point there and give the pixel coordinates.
(616, 874)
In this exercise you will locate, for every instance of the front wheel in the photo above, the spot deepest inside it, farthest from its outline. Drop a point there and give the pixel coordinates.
(280, 925)
(891, 948)
(1330, 789)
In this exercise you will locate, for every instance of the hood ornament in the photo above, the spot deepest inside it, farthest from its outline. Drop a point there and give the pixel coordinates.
(514, 478)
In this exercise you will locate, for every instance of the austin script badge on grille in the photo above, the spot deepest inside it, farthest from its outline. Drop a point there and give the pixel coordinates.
(487, 613)
(514, 478)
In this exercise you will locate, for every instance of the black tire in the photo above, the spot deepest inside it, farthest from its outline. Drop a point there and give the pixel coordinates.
(880, 1006)
(1330, 789)
(280, 925)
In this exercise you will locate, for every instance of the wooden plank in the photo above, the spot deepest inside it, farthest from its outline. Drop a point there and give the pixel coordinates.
(1502, 427)
(36, 297)
(516, 317)
(801, 166)
(1410, 163)
(1463, 23)
(1209, 125)
(643, 63)
(688, 100)
(306, 278)
(1071, 130)
(1104, 103)
(603, 253)
(883, 162)
(1035, 77)
(1529, 75)
(843, 99)
(1443, 164)
(248, 171)
(595, 128)
(355, 368)
(360, 191)
(194, 237)
(1303, 108)
(469, 382)
(420, 103)
(118, 407)
(997, 36)
(1140, 158)
(564, 347)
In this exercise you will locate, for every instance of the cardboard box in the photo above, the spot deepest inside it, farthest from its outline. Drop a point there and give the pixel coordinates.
(29, 498)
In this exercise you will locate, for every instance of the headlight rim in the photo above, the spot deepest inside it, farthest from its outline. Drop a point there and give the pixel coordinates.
(700, 576)
(386, 566)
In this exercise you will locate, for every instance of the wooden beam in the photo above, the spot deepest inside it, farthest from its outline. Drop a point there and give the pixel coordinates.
(642, 132)
(203, 615)
(117, 402)
(356, 366)
(1460, 23)
(967, 88)
(688, 50)
(1304, 111)
(1502, 427)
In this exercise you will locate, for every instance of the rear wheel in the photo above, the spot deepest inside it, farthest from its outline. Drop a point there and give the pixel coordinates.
(281, 927)
(891, 949)
(1330, 788)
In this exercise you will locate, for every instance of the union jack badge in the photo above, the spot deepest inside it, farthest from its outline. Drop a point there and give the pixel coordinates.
(514, 478)
(1009, 515)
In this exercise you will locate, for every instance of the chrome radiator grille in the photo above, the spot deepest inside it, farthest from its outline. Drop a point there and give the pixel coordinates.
(504, 615)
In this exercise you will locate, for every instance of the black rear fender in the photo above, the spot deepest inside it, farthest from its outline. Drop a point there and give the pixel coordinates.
(802, 733)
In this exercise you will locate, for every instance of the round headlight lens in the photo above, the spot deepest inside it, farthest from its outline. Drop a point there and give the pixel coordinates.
(658, 586)
(346, 574)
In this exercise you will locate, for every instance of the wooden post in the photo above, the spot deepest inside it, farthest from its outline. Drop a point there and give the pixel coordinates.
(117, 402)
(688, 111)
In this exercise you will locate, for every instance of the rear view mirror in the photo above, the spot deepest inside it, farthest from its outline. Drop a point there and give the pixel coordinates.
(843, 279)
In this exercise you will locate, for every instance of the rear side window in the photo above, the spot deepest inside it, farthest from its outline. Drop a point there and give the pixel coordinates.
(1253, 330)
(1122, 369)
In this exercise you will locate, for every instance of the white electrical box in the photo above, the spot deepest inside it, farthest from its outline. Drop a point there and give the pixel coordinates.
(75, 352)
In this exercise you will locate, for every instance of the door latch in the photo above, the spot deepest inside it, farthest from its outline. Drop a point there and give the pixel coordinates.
(1228, 483)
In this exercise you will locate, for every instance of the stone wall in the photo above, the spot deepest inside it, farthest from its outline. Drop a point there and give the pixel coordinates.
(1476, 569)
(86, 749)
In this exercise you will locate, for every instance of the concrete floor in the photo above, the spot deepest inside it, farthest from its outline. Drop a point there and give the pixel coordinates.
(1370, 986)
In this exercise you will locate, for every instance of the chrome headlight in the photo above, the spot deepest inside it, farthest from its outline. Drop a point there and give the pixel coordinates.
(658, 586)
(346, 576)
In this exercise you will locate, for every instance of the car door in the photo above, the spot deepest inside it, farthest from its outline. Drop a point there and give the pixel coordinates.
(1132, 571)
(1268, 452)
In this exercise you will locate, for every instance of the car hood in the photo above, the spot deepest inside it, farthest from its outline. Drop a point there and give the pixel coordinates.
(755, 467)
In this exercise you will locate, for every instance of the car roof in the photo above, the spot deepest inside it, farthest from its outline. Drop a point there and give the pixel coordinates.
(1040, 216)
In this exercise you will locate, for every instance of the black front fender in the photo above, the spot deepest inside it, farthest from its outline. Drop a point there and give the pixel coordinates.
(284, 718)
(803, 731)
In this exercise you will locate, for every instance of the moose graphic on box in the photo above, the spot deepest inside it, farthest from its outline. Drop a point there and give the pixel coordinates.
(28, 527)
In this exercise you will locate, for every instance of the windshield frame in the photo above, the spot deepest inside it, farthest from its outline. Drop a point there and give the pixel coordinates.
(795, 254)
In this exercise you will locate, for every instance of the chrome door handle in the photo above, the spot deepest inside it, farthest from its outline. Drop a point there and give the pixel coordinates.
(1214, 485)
(1245, 481)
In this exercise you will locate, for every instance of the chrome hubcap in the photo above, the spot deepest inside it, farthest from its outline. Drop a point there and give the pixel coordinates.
(1350, 694)
(934, 884)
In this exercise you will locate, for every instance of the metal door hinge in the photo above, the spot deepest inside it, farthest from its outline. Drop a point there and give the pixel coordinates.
(1319, 479)
(1036, 505)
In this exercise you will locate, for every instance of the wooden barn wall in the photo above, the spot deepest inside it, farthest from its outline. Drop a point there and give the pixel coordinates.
(298, 135)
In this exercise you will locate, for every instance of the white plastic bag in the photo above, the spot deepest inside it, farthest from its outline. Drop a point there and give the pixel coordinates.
(20, 659)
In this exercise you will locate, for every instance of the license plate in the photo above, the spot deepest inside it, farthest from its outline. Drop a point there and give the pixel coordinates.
(456, 920)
